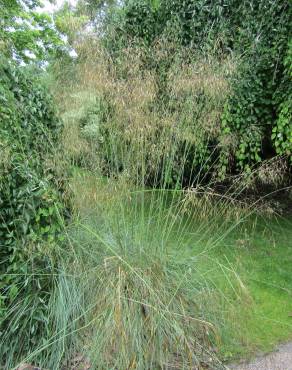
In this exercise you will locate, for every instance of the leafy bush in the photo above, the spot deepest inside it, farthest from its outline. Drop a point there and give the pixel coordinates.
(30, 206)
(259, 92)
(188, 23)
(282, 130)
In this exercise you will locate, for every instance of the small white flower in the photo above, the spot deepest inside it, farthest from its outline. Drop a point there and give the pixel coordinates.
(73, 53)
(29, 54)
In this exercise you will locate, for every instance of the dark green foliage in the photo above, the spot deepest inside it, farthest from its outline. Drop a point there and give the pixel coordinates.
(30, 208)
(282, 130)
(262, 90)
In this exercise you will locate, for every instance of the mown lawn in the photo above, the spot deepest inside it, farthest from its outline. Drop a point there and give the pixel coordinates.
(262, 256)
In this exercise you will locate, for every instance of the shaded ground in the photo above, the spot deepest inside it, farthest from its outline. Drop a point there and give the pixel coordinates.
(279, 360)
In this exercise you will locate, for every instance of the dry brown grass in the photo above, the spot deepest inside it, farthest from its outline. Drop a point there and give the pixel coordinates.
(140, 134)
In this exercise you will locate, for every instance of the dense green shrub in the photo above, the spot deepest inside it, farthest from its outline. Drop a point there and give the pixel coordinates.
(186, 22)
(259, 94)
(282, 130)
(30, 206)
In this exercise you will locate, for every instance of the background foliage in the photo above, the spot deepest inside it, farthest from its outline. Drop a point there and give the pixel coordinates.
(256, 122)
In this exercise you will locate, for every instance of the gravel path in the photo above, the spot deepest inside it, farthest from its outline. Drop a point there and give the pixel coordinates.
(278, 360)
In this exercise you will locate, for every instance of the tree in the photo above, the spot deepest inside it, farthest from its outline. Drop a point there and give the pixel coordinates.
(27, 35)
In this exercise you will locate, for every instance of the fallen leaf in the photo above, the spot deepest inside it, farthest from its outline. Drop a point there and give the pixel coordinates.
(27, 367)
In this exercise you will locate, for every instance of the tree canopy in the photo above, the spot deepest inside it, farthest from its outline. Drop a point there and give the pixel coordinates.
(27, 35)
